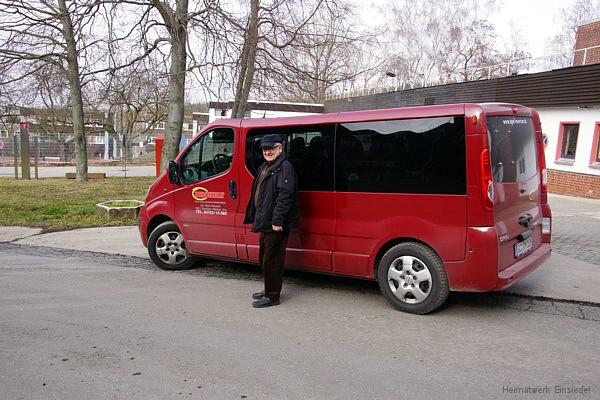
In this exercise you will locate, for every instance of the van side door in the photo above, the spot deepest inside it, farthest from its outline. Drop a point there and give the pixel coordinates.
(205, 199)
(310, 150)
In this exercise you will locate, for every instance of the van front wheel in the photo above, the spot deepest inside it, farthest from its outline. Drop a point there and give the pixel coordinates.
(413, 278)
(166, 248)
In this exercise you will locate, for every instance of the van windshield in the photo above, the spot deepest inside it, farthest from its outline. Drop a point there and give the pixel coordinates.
(512, 148)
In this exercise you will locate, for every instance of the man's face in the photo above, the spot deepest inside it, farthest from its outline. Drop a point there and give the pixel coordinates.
(271, 153)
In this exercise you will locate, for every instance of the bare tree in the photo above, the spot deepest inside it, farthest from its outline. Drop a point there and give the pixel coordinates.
(292, 50)
(327, 51)
(450, 42)
(164, 26)
(51, 88)
(247, 61)
(469, 49)
(135, 98)
(175, 20)
(37, 33)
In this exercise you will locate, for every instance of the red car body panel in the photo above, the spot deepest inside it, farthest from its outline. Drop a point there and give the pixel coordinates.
(345, 233)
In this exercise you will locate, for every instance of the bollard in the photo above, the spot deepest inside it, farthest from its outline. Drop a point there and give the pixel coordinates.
(159, 141)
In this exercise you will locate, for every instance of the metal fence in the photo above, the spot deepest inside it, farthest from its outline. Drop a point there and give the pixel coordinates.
(47, 149)
(52, 149)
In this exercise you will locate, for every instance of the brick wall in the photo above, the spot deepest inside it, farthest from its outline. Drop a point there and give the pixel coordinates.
(588, 35)
(574, 184)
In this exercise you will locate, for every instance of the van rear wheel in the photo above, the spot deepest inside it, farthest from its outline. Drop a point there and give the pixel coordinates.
(413, 278)
(166, 247)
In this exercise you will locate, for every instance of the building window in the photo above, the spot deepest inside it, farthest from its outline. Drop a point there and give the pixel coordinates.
(568, 141)
(595, 156)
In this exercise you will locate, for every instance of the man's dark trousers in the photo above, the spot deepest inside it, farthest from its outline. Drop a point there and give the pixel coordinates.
(271, 255)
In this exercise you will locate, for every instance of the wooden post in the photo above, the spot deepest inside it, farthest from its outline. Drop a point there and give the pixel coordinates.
(24, 137)
(16, 155)
(125, 153)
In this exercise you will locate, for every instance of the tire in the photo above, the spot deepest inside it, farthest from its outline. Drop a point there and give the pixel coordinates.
(166, 247)
(413, 278)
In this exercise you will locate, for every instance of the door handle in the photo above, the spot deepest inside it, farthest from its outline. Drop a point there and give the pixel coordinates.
(232, 189)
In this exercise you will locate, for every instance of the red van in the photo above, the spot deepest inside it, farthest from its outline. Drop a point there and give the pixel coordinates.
(423, 199)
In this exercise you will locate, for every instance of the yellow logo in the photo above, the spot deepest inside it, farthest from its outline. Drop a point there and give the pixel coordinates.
(199, 193)
(199, 196)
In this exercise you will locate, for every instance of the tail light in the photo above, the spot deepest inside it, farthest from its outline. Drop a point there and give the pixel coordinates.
(546, 229)
(487, 183)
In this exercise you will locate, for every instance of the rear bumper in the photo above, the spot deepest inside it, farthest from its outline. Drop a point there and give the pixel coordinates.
(524, 267)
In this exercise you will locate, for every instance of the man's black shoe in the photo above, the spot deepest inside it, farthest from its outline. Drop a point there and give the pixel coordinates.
(265, 302)
(258, 295)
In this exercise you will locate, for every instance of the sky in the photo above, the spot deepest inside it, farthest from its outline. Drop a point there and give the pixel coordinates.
(536, 19)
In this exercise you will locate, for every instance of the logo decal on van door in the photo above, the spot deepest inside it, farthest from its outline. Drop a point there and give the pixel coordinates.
(199, 193)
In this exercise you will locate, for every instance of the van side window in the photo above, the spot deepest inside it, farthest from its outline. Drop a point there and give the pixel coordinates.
(402, 156)
(210, 155)
(308, 148)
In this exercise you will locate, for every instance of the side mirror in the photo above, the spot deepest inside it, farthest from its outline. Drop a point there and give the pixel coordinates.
(172, 171)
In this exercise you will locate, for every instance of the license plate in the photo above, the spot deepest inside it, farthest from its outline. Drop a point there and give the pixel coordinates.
(523, 247)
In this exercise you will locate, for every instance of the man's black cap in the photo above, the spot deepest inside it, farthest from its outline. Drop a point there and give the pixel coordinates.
(270, 140)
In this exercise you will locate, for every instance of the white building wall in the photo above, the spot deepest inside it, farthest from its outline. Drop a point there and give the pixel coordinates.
(215, 114)
(276, 114)
(551, 119)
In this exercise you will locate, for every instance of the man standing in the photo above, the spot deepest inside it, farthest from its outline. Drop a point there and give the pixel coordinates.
(272, 210)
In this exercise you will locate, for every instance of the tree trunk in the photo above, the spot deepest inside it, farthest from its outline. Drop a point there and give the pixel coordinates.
(176, 22)
(247, 63)
(81, 167)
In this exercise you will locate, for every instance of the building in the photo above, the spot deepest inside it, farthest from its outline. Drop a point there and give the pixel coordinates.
(587, 44)
(199, 121)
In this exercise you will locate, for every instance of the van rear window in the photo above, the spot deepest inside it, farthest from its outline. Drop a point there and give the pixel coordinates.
(512, 148)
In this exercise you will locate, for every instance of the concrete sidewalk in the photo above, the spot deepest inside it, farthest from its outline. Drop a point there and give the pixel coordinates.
(560, 278)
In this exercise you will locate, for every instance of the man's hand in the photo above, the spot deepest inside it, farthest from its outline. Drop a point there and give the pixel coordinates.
(277, 228)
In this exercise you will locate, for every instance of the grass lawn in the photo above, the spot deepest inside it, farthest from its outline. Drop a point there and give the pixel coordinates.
(58, 203)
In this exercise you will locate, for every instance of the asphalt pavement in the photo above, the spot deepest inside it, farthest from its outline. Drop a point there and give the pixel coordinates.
(79, 325)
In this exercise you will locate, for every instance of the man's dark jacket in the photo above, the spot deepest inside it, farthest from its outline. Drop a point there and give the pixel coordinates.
(278, 198)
